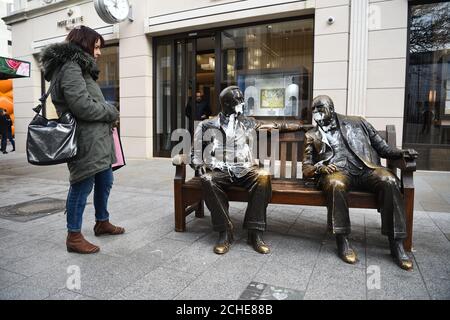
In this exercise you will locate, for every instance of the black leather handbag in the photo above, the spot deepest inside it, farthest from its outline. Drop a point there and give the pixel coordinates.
(51, 141)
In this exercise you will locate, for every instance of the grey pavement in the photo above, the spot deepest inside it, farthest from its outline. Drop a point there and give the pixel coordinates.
(152, 261)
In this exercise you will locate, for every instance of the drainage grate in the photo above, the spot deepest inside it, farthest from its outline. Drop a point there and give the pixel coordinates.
(31, 210)
(263, 291)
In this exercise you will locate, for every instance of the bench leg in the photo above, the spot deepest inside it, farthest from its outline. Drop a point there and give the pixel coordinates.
(409, 211)
(200, 212)
(180, 216)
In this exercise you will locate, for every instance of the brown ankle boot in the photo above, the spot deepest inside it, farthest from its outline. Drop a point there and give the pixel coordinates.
(77, 243)
(105, 227)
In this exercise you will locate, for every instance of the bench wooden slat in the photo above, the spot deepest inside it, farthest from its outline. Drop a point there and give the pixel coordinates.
(287, 191)
(283, 152)
(294, 161)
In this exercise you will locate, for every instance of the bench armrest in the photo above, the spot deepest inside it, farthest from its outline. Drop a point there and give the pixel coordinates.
(407, 168)
(405, 165)
(180, 160)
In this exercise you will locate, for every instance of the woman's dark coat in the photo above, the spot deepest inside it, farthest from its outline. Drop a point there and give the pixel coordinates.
(76, 91)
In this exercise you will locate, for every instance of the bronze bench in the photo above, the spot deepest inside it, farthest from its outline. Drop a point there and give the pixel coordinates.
(294, 191)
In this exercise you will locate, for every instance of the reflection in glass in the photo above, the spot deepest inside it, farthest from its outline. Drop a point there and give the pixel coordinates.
(108, 81)
(427, 120)
(163, 94)
(272, 64)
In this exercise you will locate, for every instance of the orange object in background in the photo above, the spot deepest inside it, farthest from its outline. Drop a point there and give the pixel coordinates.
(6, 99)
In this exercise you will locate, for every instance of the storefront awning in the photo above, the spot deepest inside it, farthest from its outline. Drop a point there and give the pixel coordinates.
(12, 68)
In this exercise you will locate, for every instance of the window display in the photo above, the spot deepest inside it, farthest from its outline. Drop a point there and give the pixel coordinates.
(272, 65)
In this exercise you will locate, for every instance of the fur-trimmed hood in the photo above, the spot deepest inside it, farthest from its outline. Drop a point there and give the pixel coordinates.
(55, 55)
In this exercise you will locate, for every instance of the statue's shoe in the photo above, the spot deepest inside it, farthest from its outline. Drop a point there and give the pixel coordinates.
(256, 241)
(399, 255)
(222, 248)
(223, 243)
(345, 250)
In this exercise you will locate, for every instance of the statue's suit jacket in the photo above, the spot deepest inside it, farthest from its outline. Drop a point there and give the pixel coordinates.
(360, 137)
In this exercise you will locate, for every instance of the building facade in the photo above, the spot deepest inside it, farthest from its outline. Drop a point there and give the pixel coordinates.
(6, 7)
(386, 60)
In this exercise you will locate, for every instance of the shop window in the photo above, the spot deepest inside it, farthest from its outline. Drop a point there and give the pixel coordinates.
(427, 112)
(272, 64)
(108, 81)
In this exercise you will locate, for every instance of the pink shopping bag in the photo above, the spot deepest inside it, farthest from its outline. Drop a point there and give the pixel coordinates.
(120, 158)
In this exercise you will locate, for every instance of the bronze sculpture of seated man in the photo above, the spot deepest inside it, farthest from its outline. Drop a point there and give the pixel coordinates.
(230, 163)
(343, 153)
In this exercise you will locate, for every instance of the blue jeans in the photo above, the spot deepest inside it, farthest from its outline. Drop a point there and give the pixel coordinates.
(78, 194)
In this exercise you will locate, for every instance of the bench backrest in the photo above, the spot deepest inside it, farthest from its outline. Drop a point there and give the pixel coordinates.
(292, 147)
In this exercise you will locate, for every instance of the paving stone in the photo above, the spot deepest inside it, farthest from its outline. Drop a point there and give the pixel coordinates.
(65, 294)
(161, 284)
(195, 229)
(21, 291)
(102, 276)
(435, 206)
(394, 283)
(284, 276)
(297, 253)
(338, 282)
(52, 279)
(194, 259)
(438, 288)
(24, 250)
(227, 278)
(121, 245)
(5, 232)
(15, 239)
(38, 262)
(8, 278)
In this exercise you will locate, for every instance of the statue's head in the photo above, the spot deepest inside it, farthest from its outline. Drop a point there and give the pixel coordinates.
(323, 110)
(232, 100)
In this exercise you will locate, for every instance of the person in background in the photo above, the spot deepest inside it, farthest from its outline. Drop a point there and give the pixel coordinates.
(3, 130)
(202, 107)
(9, 134)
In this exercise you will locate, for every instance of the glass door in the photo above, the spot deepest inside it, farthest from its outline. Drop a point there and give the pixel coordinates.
(163, 90)
(184, 87)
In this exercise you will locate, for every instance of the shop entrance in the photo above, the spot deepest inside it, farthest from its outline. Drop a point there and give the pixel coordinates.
(191, 61)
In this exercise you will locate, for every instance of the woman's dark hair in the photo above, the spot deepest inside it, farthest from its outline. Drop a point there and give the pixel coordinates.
(85, 38)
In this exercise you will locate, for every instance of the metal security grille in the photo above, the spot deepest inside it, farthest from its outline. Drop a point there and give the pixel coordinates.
(31, 210)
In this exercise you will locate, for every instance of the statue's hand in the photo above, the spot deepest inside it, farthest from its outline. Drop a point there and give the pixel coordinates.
(328, 169)
(410, 154)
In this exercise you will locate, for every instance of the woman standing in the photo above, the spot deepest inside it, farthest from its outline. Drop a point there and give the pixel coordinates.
(73, 65)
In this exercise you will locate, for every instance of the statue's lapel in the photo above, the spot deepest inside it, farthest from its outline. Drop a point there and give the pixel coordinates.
(321, 142)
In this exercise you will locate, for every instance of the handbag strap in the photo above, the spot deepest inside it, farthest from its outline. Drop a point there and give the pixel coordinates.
(43, 98)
